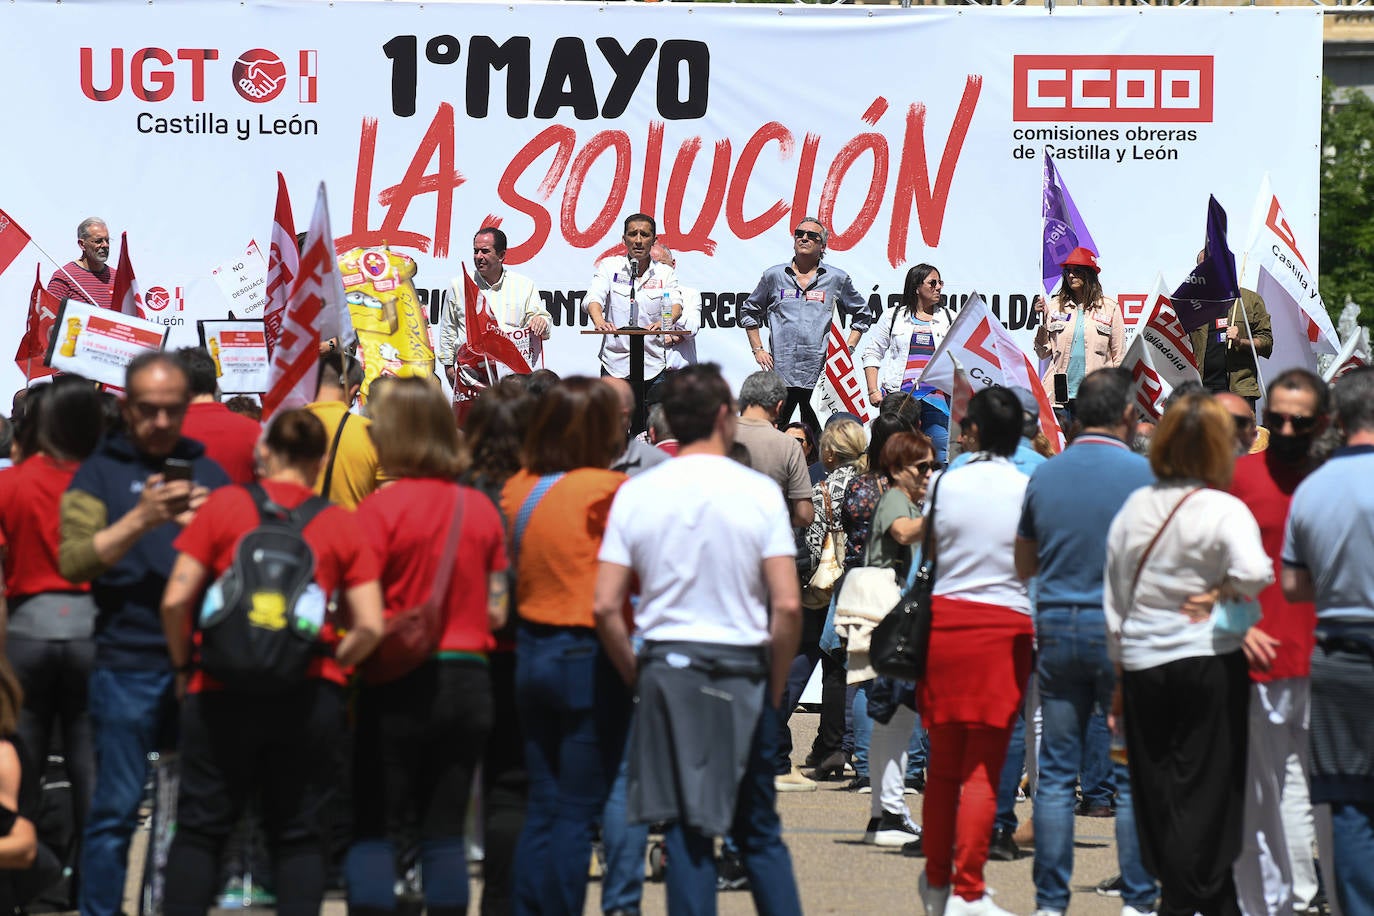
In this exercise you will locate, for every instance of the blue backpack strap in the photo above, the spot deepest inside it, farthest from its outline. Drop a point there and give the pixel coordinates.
(522, 518)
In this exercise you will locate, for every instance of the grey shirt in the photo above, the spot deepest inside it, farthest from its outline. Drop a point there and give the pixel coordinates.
(798, 319)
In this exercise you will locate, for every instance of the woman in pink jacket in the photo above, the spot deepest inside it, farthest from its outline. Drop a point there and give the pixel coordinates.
(1081, 330)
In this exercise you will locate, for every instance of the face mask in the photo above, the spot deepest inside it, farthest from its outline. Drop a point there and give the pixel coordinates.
(1290, 449)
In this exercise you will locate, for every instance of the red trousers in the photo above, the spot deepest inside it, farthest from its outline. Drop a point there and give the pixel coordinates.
(961, 804)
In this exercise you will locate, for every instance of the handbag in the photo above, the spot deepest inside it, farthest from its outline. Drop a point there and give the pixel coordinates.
(412, 636)
(828, 571)
(900, 643)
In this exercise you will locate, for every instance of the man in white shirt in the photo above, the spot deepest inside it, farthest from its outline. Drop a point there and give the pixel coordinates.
(627, 292)
(513, 298)
(682, 348)
(716, 648)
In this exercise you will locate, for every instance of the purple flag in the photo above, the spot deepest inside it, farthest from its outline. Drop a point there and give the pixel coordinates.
(1209, 290)
(1064, 228)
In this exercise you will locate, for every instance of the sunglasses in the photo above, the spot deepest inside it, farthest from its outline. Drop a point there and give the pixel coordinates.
(1275, 420)
(1243, 422)
(807, 234)
(935, 284)
(923, 467)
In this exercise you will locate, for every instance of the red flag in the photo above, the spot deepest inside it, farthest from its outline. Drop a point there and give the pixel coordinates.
(316, 289)
(485, 337)
(43, 307)
(283, 263)
(126, 297)
(13, 239)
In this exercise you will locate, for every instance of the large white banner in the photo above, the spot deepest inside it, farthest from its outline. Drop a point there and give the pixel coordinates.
(917, 135)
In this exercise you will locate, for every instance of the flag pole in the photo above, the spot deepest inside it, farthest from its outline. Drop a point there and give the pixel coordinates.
(1259, 376)
(62, 269)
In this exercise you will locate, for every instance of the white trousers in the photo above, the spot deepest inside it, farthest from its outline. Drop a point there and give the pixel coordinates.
(887, 762)
(1275, 873)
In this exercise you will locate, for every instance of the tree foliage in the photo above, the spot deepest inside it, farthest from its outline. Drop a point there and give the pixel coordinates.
(1347, 201)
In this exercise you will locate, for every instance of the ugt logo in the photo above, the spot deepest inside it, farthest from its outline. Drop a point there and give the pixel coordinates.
(258, 75)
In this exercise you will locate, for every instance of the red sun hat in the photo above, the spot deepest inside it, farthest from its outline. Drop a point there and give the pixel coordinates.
(1082, 257)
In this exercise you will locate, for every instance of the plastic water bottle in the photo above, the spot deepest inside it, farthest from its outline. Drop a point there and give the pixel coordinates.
(666, 311)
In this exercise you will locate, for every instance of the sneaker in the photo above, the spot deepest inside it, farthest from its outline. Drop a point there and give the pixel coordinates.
(935, 899)
(895, 830)
(915, 849)
(871, 831)
(983, 906)
(1086, 810)
(793, 782)
(915, 785)
(1003, 848)
(1129, 910)
(1047, 912)
(1111, 887)
(858, 784)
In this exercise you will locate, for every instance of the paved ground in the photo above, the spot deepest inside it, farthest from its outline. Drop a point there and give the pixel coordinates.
(839, 874)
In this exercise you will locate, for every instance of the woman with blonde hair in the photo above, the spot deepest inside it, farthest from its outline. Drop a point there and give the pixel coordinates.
(1183, 685)
(420, 736)
(842, 453)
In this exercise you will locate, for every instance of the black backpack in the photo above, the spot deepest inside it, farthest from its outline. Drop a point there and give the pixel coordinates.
(260, 623)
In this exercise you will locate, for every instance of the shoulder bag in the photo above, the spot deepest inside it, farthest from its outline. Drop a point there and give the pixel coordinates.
(830, 568)
(901, 641)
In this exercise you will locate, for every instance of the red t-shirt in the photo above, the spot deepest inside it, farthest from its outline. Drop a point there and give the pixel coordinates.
(30, 497)
(229, 438)
(80, 284)
(407, 522)
(1266, 486)
(342, 558)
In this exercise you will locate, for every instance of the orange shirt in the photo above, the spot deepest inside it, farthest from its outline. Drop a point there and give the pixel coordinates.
(556, 560)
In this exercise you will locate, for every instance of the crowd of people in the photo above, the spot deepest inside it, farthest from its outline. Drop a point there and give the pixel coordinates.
(1171, 623)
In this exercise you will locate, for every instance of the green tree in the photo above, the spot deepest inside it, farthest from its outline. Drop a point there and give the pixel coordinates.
(1347, 201)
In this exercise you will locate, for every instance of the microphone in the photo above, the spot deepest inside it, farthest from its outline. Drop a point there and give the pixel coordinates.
(634, 274)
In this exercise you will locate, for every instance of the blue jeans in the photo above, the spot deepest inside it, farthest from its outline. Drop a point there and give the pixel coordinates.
(622, 885)
(1010, 780)
(691, 874)
(130, 711)
(916, 753)
(1076, 677)
(1097, 772)
(935, 424)
(1352, 832)
(574, 710)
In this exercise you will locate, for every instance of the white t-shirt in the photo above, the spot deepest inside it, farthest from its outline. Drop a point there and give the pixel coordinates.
(975, 533)
(1213, 539)
(696, 531)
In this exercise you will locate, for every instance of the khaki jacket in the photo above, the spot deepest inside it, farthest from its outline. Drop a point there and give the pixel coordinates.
(1240, 361)
(1103, 339)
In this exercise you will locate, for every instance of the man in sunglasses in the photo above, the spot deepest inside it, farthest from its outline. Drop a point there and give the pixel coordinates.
(1247, 433)
(1274, 872)
(796, 301)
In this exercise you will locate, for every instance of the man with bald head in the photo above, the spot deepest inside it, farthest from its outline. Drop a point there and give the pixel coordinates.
(639, 455)
(89, 278)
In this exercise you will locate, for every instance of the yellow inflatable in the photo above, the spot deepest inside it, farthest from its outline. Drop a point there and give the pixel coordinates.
(393, 328)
